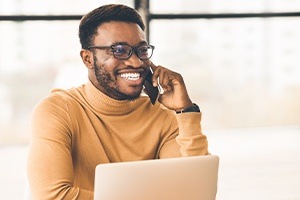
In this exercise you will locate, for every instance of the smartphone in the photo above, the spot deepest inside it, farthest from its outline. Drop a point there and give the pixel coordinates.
(150, 89)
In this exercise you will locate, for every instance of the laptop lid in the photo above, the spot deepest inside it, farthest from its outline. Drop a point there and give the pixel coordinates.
(192, 178)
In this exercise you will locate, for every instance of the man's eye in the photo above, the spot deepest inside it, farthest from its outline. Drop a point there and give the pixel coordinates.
(119, 50)
(143, 49)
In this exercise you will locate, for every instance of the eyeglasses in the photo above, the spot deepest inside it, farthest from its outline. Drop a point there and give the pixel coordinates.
(124, 51)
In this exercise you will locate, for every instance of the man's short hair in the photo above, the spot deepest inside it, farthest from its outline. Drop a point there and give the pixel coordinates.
(112, 12)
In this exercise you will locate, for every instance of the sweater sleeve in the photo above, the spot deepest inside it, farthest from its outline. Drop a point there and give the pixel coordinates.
(49, 164)
(183, 136)
(191, 140)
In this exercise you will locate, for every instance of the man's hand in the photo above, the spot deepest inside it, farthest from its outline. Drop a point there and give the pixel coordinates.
(174, 96)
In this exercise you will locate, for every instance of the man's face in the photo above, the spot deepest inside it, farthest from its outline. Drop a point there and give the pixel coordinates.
(119, 79)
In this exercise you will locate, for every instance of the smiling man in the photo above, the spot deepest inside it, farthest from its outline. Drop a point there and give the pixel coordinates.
(111, 69)
(110, 119)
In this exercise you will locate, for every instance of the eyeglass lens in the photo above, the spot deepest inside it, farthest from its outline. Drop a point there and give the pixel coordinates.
(125, 51)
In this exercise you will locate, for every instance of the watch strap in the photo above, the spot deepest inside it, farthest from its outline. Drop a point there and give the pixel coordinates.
(193, 108)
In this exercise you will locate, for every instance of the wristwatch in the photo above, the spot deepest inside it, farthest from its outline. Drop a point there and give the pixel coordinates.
(193, 108)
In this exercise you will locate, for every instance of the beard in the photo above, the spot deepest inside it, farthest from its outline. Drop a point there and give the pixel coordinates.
(108, 83)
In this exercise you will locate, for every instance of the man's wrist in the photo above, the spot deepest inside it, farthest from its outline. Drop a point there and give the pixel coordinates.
(192, 108)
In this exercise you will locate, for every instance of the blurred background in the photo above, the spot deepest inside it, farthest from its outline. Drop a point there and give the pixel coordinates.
(239, 59)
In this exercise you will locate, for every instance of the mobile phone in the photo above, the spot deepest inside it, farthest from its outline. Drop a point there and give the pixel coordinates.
(150, 89)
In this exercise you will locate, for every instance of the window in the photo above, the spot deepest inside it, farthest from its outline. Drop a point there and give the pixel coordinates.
(243, 72)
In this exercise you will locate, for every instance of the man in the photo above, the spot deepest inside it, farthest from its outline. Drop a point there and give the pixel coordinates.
(108, 119)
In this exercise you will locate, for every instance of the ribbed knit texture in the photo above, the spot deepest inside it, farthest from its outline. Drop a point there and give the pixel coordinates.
(75, 130)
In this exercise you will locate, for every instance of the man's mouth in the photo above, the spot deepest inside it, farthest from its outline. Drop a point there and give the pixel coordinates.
(130, 76)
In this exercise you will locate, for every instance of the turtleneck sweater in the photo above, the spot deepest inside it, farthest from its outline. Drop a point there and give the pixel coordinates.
(74, 130)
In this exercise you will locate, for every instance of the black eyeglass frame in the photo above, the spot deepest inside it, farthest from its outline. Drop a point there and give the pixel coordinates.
(129, 54)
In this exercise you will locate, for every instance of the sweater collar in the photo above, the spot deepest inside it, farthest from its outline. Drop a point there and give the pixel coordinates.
(102, 103)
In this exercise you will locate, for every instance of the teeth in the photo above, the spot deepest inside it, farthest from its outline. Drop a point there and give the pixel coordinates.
(130, 76)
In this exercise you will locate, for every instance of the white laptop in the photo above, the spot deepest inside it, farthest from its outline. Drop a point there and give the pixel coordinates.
(185, 178)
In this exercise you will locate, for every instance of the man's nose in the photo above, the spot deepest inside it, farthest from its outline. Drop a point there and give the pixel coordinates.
(134, 61)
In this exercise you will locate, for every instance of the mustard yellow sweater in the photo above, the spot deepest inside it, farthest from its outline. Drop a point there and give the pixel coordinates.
(75, 130)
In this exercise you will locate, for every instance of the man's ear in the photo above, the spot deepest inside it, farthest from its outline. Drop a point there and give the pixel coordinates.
(87, 58)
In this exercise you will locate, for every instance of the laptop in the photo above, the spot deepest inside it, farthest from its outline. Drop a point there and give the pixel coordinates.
(185, 178)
